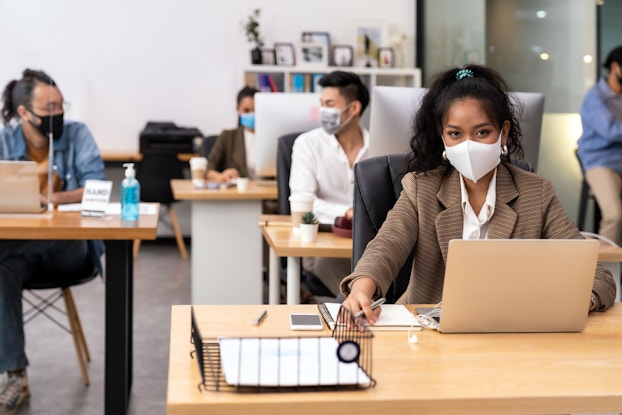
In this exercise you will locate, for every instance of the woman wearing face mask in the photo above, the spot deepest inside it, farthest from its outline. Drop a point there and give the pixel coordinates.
(233, 154)
(33, 110)
(323, 161)
(461, 185)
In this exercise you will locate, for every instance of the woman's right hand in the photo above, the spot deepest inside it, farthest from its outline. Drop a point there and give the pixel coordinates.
(361, 297)
(228, 175)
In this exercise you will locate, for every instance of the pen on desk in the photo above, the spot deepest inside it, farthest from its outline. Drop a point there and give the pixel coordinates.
(375, 304)
(261, 316)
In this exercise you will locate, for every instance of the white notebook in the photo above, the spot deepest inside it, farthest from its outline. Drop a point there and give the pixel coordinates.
(393, 317)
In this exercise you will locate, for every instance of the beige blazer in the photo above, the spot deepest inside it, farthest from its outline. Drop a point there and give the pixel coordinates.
(428, 214)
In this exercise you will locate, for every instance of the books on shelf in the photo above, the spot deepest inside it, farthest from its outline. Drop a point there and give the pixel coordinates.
(266, 83)
(306, 82)
(394, 317)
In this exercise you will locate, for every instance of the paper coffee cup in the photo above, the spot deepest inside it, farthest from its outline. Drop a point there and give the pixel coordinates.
(198, 170)
(299, 204)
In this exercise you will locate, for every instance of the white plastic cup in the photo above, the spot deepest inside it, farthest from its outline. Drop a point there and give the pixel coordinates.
(299, 204)
(198, 170)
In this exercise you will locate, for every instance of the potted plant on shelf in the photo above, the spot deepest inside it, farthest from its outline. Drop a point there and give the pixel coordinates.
(308, 227)
(251, 29)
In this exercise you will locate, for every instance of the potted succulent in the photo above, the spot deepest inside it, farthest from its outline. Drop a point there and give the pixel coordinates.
(242, 180)
(308, 227)
(251, 30)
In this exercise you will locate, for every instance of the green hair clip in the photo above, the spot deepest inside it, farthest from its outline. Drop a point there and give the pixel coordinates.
(464, 73)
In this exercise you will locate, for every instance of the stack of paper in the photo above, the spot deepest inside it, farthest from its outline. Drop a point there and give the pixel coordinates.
(286, 362)
(393, 317)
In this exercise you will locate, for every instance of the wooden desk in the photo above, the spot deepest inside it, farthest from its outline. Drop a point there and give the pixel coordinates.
(611, 257)
(119, 283)
(119, 157)
(443, 374)
(226, 245)
(284, 241)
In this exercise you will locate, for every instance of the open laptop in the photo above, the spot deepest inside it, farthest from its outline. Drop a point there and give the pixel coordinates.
(19, 187)
(518, 285)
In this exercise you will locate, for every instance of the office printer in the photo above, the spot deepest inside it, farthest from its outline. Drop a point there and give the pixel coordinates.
(168, 136)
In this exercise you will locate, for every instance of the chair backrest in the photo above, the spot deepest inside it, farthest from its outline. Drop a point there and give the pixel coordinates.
(377, 185)
(155, 172)
(206, 145)
(283, 169)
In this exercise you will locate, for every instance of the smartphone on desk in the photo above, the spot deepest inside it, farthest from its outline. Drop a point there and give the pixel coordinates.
(298, 321)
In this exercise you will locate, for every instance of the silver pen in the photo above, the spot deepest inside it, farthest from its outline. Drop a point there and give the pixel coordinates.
(261, 316)
(375, 304)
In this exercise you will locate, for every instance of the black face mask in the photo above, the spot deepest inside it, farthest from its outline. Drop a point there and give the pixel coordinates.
(49, 124)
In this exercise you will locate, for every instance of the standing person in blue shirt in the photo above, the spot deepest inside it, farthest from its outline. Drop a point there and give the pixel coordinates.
(33, 107)
(600, 146)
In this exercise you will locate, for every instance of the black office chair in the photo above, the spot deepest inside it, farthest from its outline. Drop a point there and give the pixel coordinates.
(154, 173)
(377, 185)
(585, 197)
(283, 169)
(206, 145)
(45, 304)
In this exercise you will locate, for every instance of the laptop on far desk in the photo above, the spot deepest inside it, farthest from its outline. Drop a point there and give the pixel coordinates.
(19, 187)
(518, 285)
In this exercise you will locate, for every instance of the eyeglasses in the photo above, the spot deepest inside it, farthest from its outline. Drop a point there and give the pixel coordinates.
(53, 108)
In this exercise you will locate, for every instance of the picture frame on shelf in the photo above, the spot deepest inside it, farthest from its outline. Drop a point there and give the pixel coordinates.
(312, 55)
(317, 37)
(386, 58)
(369, 36)
(343, 55)
(268, 57)
(285, 54)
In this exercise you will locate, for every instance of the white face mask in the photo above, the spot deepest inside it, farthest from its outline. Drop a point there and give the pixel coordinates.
(330, 119)
(474, 159)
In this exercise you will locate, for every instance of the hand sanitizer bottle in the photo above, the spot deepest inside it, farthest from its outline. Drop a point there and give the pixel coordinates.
(130, 194)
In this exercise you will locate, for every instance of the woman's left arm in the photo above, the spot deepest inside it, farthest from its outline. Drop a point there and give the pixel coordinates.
(557, 225)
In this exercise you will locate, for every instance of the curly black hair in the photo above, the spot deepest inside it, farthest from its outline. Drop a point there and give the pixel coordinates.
(483, 84)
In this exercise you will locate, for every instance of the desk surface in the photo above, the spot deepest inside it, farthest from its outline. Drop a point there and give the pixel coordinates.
(184, 190)
(280, 235)
(134, 157)
(71, 225)
(444, 374)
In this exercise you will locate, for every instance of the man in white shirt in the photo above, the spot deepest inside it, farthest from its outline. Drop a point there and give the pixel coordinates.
(323, 160)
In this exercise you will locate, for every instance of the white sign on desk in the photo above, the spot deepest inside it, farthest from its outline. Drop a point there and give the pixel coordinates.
(95, 197)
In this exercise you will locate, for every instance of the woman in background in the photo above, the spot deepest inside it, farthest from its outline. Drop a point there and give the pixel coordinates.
(233, 154)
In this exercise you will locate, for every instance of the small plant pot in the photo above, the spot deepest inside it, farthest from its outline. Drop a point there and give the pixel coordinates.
(308, 233)
(242, 184)
(256, 56)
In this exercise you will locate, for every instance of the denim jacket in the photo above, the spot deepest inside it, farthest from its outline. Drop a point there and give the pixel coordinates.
(76, 160)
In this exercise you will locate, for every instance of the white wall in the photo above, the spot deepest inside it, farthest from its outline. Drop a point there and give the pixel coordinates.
(124, 62)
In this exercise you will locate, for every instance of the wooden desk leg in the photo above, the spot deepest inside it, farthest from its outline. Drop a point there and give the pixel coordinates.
(274, 279)
(293, 280)
(118, 354)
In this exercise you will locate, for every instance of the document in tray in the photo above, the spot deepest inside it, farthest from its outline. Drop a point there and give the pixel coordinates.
(310, 361)
(393, 317)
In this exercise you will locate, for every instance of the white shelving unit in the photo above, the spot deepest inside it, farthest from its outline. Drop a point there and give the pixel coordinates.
(282, 78)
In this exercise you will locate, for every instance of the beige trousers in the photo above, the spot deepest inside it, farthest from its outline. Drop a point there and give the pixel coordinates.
(606, 185)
